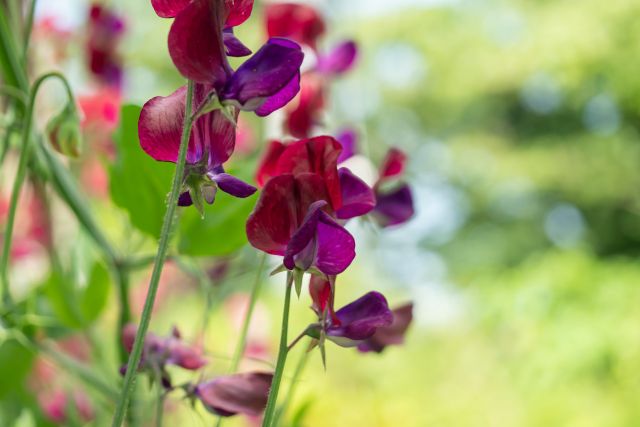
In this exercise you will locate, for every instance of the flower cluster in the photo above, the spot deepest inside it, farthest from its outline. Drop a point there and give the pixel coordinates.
(308, 195)
(305, 25)
(244, 393)
(200, 40)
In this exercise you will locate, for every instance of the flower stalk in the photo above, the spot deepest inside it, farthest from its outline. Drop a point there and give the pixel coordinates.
(282, 357)
(20, 177)
(136, 352)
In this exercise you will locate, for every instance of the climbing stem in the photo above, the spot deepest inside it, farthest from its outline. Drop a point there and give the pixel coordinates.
(165, 233)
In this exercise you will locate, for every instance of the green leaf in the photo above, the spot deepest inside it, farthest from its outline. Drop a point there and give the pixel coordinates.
(63, 299)
(297, 280)
(221, 232)
(138, 183)
(15, 364)
(77, 307)
(95, 295)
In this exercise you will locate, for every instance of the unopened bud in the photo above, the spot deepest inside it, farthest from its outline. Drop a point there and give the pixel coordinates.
(64, 133)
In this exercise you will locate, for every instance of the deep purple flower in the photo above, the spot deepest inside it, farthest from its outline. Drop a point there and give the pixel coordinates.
(304, 197)
(392, 334)
(357, 197)
(159, 352)
(393, 207)
(245, 393)
(353, 323)
(394, 200)
(200, 39)
(104, 33)
(291, 220)
(211, 143)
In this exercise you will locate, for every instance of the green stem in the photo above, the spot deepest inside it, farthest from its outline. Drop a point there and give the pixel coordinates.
(160, 397)
(282, 410)
(255, 291)
(20, 176)
(136, 352)
(282, 357)
(27, 31)
(13, 73)
(124, 315)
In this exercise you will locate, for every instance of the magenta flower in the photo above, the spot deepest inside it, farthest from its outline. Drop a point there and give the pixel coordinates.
(296, 21)
(211, 144)
(200, 39)
(304, 197)
(338, 60)
(159, 352)
(244, 393)
(394, 203)
(352, 324)
(104, 32)
(392, 334)
(291, 219)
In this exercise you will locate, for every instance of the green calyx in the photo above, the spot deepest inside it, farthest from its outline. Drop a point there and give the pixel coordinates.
(63, 131)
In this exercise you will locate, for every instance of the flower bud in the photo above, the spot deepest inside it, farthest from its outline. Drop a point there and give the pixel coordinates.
(63, 131)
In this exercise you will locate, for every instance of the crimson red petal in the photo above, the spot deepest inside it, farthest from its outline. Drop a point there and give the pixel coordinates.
(196, 44)
(298, 22)
(239, 11)
(169, 8)
(315, 155)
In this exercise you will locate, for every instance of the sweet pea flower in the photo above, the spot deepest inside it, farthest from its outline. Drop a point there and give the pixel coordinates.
(200, 39)
(303, 199)
(347, 195)
(211, 144)
(299, 22)
(394, 205)
(159, 352)
(291, 219)
(104, 33)
(244, 393)
(56, 406)
(394, 200)
(352, 324)
(392, 334)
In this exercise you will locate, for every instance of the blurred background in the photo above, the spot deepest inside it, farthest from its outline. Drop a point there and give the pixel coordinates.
(520, 119)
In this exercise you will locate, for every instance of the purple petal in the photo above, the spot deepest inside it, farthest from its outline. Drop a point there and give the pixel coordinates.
(392, 334)
(232, 185)
(281, 98)
(348, 139)
(245, 393)
(339, 60)
(395, 207)
(336, 247)
(302, 248)
(265, 74)
(169, 8)
(360, 319)
(195, 43)
(357, 197)
(233, 45)
(185, 199)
